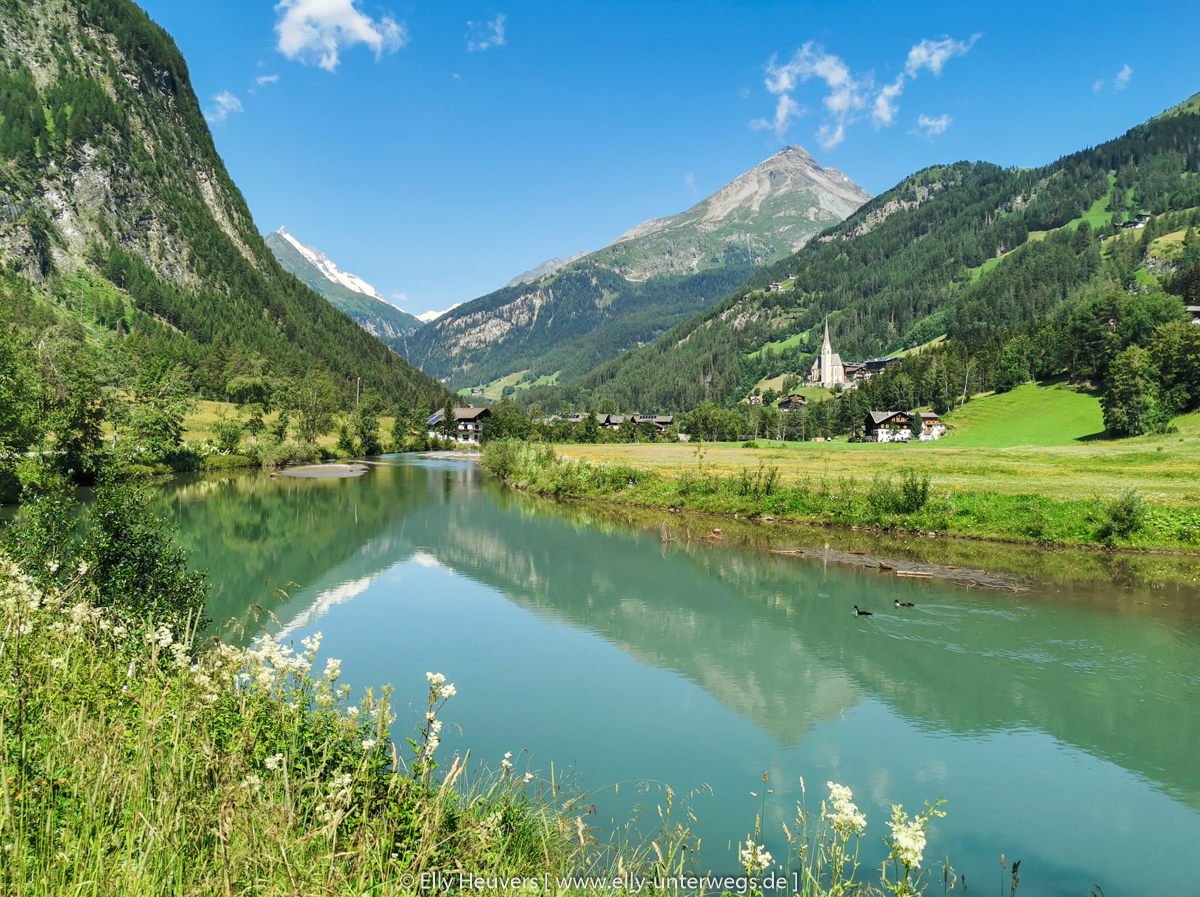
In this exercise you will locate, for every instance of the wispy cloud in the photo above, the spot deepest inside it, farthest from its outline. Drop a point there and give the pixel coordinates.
(845, 97)
(266, 79)
(849, 96)
(1121, 81)
(931, 127)
(929, 55)
(482, 35)
(224, 105)
(1098, 85)
(314, 31)
(689, 179)
(785, 110)
(934, 54)
(399, 298)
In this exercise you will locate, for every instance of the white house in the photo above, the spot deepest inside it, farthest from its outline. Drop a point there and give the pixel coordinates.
(888, 426)
(931, 427)
(469, 430)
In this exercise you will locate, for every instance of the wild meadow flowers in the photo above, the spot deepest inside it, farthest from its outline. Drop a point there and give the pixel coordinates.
(135, 761)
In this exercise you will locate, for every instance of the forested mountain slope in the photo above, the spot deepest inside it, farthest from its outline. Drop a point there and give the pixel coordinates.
(111, 189)
(969, 250)
(649, 279)
(346, 292)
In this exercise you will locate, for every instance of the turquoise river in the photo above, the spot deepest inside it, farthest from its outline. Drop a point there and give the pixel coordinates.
(1052, 700)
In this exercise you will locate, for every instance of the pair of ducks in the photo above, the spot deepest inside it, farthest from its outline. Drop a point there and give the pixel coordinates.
(867, 613)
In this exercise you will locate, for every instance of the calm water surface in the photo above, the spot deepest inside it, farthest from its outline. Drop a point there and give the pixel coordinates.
(1061, 731)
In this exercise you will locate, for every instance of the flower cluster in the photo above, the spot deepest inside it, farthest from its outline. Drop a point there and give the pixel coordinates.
(845, 818)
(754, 858)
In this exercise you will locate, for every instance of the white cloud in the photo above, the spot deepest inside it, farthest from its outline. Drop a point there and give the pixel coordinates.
(399, 297)
(931, 127)
(849, 95)
(934, 54)
(744, 93)
(1099, 84)
(690, 180)
(224, 105)
(845, 98)
(486, 34)
(266, 79)
(785, 110)
(885, 109)
(1122, 78)
(313, 31)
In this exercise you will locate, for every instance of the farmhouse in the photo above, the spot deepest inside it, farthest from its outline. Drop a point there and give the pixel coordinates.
(888, 426)
(931, 427)
(794, 402)
(469, 430)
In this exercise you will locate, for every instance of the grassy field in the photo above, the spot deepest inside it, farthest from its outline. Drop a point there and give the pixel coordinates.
(1043, 439)
(1043, 414)
(495, 390)
(198, 426)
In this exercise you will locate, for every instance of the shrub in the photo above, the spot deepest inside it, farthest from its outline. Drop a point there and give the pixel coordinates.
(912, 493)
(1126, 514)
(287, 453)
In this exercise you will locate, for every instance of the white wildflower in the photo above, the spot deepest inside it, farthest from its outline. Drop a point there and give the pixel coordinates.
(448, 691)
(368, 744)
(252, 783)
(506, 763)
(436, 680)
(52, 566)
(908, 838)
(82, 568)
(754, 857)
(845, 818)
(333, 669)
(528, 777)
(274, 762)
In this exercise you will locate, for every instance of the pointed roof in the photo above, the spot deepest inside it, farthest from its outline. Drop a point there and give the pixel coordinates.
(826, 346)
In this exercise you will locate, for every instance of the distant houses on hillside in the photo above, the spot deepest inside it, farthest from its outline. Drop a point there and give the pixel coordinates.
(828, 369)
(660, 422)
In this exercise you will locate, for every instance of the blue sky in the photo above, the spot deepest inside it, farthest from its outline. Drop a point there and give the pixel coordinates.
(439, 149)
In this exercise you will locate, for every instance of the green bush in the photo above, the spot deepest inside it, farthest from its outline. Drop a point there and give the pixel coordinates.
(908, 497)
(1126, 514)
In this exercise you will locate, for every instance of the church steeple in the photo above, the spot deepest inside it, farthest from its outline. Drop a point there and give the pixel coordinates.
(826, 347)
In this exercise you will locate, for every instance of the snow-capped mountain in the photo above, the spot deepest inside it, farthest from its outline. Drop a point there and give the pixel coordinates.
(325, 265)
(345, 291)
(430, 316)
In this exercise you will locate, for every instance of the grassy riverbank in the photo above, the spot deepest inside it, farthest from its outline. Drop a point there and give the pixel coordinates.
(134, 761)
(1140, 498)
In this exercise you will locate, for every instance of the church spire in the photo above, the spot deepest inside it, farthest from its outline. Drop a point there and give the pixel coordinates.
(826, 347)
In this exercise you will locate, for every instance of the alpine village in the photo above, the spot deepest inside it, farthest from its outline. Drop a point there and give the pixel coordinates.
(879, 481)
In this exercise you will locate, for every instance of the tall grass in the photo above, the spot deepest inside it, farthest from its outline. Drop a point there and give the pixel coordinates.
(908, 502)
(134, 762)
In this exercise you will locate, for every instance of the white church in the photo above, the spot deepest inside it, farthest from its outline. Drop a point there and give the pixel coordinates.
(828, 369)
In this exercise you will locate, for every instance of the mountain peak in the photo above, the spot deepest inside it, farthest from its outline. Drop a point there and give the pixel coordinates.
(791, 185)
(332, 272)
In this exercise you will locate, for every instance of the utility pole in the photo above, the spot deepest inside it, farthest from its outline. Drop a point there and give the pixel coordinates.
(358, 393)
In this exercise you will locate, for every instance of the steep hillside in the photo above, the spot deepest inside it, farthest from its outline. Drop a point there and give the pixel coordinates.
(540, 271)
(969, 250)
(347, 292)
(587, 311)
(109, 176)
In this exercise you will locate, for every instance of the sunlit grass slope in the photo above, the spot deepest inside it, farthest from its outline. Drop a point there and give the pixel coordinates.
(1043, 414)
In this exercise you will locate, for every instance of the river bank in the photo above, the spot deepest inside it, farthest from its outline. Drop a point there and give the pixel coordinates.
(897, 499)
